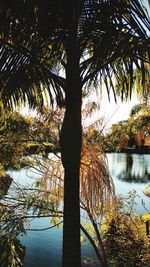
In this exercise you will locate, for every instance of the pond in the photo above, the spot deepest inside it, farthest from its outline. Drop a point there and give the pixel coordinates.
(43, 249)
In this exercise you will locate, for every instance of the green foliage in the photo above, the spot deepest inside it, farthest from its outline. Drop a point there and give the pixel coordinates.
(16, 211)
(11, 252)
(11, 225)
(5, 182)
(135, 110)
(21, 136)
(122, 134)
(17, 134)
(46, 126)
(147, 190)
(124, 248)
(126, 242)
(14, 133)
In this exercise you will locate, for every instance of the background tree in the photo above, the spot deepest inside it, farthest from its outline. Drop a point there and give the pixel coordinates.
(25, 135)
(90, 41)
(15, 132)
(127, 229)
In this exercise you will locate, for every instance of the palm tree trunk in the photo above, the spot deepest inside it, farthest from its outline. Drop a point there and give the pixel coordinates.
(71, 142)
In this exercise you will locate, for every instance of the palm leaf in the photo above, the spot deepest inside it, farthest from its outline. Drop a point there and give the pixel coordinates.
(34, 37)
(117, 41)
(24, 78)
(97, 187)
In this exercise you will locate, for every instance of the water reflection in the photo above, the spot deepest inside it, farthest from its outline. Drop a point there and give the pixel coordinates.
(129, 172)
(130, 167)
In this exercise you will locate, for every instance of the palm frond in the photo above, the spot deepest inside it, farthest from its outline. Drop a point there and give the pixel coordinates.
(24, 78)
(116, 36)
(113, 42)
(97, 186)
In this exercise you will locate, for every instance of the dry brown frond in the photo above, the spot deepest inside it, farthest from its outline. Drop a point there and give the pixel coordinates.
(51, 183)
(97, 187)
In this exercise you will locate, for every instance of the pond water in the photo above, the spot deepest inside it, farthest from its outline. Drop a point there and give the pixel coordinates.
(131, 172)
(43, 249)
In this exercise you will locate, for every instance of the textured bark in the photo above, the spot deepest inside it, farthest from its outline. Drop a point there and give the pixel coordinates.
(70, 142)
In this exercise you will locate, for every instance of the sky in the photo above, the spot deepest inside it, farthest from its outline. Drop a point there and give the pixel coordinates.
(111, 111)
(115, 112)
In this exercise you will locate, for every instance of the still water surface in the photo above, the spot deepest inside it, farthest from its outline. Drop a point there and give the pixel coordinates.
(43, 249)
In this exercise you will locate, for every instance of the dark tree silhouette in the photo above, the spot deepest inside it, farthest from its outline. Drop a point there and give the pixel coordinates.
(90, 41)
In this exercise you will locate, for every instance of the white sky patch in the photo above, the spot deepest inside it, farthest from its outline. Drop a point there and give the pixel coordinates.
(112, 112)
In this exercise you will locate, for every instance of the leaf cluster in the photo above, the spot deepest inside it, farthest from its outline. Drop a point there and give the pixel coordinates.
(35, 38)
(124, 231)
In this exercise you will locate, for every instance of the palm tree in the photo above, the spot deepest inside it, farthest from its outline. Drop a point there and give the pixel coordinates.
(91, 41)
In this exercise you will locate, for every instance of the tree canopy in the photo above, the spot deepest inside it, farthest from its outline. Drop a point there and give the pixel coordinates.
(35, 37)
